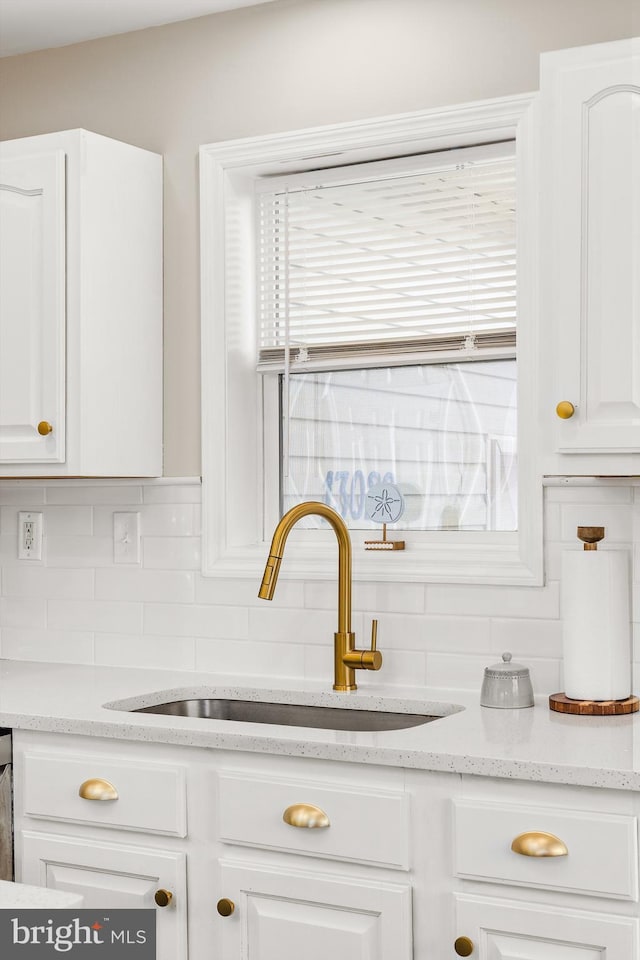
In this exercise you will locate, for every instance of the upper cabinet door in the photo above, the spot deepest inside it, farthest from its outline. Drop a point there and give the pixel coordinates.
(80, 307)
(590, 109)
(32, 308)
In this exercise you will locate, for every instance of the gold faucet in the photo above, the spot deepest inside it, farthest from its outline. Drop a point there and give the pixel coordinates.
(347, 659)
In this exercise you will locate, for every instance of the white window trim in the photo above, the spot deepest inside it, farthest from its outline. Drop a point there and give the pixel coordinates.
(236, 532)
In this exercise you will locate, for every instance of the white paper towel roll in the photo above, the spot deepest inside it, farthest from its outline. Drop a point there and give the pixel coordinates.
(596, 629)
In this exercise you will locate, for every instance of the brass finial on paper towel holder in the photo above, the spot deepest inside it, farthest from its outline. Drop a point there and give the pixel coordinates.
(591, 536)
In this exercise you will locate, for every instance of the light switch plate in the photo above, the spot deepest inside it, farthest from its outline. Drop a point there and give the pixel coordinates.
(126, 538)
(29, 535)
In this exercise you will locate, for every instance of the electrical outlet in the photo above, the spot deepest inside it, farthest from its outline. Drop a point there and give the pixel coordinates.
(29, 536)
(126, 538)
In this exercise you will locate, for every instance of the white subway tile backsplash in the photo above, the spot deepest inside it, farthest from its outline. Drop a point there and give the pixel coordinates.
(172, 493)
(22, 612)
(40, 581)
(290, 593)
(53, 646)
(455, 670)
(295, 626)
(156, 520)
(78, 551)
(75, 494)
(67, 521)
(106, 615)
(494, 601)
(26, 492)
(413, 632)
(196, 620)
(407, 668)
(383, 597)
(165, 652)
(171, 553)
(77, 606)
(257, 658)
(527, 638)
(163, 586)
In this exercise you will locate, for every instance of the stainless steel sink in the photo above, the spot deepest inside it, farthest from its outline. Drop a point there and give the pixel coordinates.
(289, 714)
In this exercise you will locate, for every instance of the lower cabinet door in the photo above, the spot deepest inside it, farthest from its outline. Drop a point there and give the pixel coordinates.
(290, 915)
(509, 930)
(110, 876)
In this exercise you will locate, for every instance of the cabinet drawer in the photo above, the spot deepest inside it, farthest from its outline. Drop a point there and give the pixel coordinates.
(602, 849)
(150, 796)
(367, 825)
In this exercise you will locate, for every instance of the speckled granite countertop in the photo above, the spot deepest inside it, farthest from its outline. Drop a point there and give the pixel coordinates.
(22, 895)
(528, 744)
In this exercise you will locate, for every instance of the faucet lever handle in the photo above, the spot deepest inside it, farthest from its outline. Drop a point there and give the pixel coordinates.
(372, 659)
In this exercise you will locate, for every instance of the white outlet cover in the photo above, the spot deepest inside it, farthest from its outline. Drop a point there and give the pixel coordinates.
(29, 535)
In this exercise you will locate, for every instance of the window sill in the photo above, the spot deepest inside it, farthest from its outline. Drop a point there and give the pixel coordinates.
(488, 563)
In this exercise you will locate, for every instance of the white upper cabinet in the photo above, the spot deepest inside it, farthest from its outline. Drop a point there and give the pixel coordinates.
(32, 307)
(590, 243)
(80, 307)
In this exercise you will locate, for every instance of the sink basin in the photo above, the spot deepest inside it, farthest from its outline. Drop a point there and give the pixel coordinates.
(289, 714)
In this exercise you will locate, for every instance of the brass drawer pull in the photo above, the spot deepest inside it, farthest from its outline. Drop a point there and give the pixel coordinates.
(44, 428)
(537, 844)
(225, 907)
(97, 789)
(463, 947)
(565, 409)
(305, 815)
(163, 897)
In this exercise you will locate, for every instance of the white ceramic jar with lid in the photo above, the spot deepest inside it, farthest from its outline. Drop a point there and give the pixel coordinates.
(506, 685)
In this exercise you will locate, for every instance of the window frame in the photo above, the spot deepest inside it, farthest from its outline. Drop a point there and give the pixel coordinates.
(238, 500)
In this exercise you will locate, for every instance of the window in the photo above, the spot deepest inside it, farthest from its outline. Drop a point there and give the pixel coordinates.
(367, 275)
(416, 351)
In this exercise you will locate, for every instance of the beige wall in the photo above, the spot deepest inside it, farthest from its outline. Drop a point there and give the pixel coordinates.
(289, 64)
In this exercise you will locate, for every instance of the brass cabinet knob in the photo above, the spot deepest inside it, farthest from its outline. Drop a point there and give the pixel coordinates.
(44, 428)
(225, 907)
(565, 409)
(97, 789)
(534, 843)
(163, 897)
(463, 947)
(305, 815)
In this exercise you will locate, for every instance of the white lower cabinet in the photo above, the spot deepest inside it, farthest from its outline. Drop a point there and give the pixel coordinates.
(287, 914)
(508, 930)
(545, 872)
(111, 876)
(282, 858)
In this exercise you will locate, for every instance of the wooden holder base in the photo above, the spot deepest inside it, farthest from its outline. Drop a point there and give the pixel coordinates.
(593, 708)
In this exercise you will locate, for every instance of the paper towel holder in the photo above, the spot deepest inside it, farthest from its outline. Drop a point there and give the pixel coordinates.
(560, 702)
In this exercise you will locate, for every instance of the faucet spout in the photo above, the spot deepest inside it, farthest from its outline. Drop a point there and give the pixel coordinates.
(346, 658)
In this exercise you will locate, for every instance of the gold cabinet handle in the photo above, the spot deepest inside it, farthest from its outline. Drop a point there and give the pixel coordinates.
(305, 815)
(225, 907)
(565, 409)
(463, 947)
(538, 844)
(163, 897)
(44, 428)
(97, 789)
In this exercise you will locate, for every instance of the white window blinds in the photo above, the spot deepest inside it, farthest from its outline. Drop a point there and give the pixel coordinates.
(389, 261)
